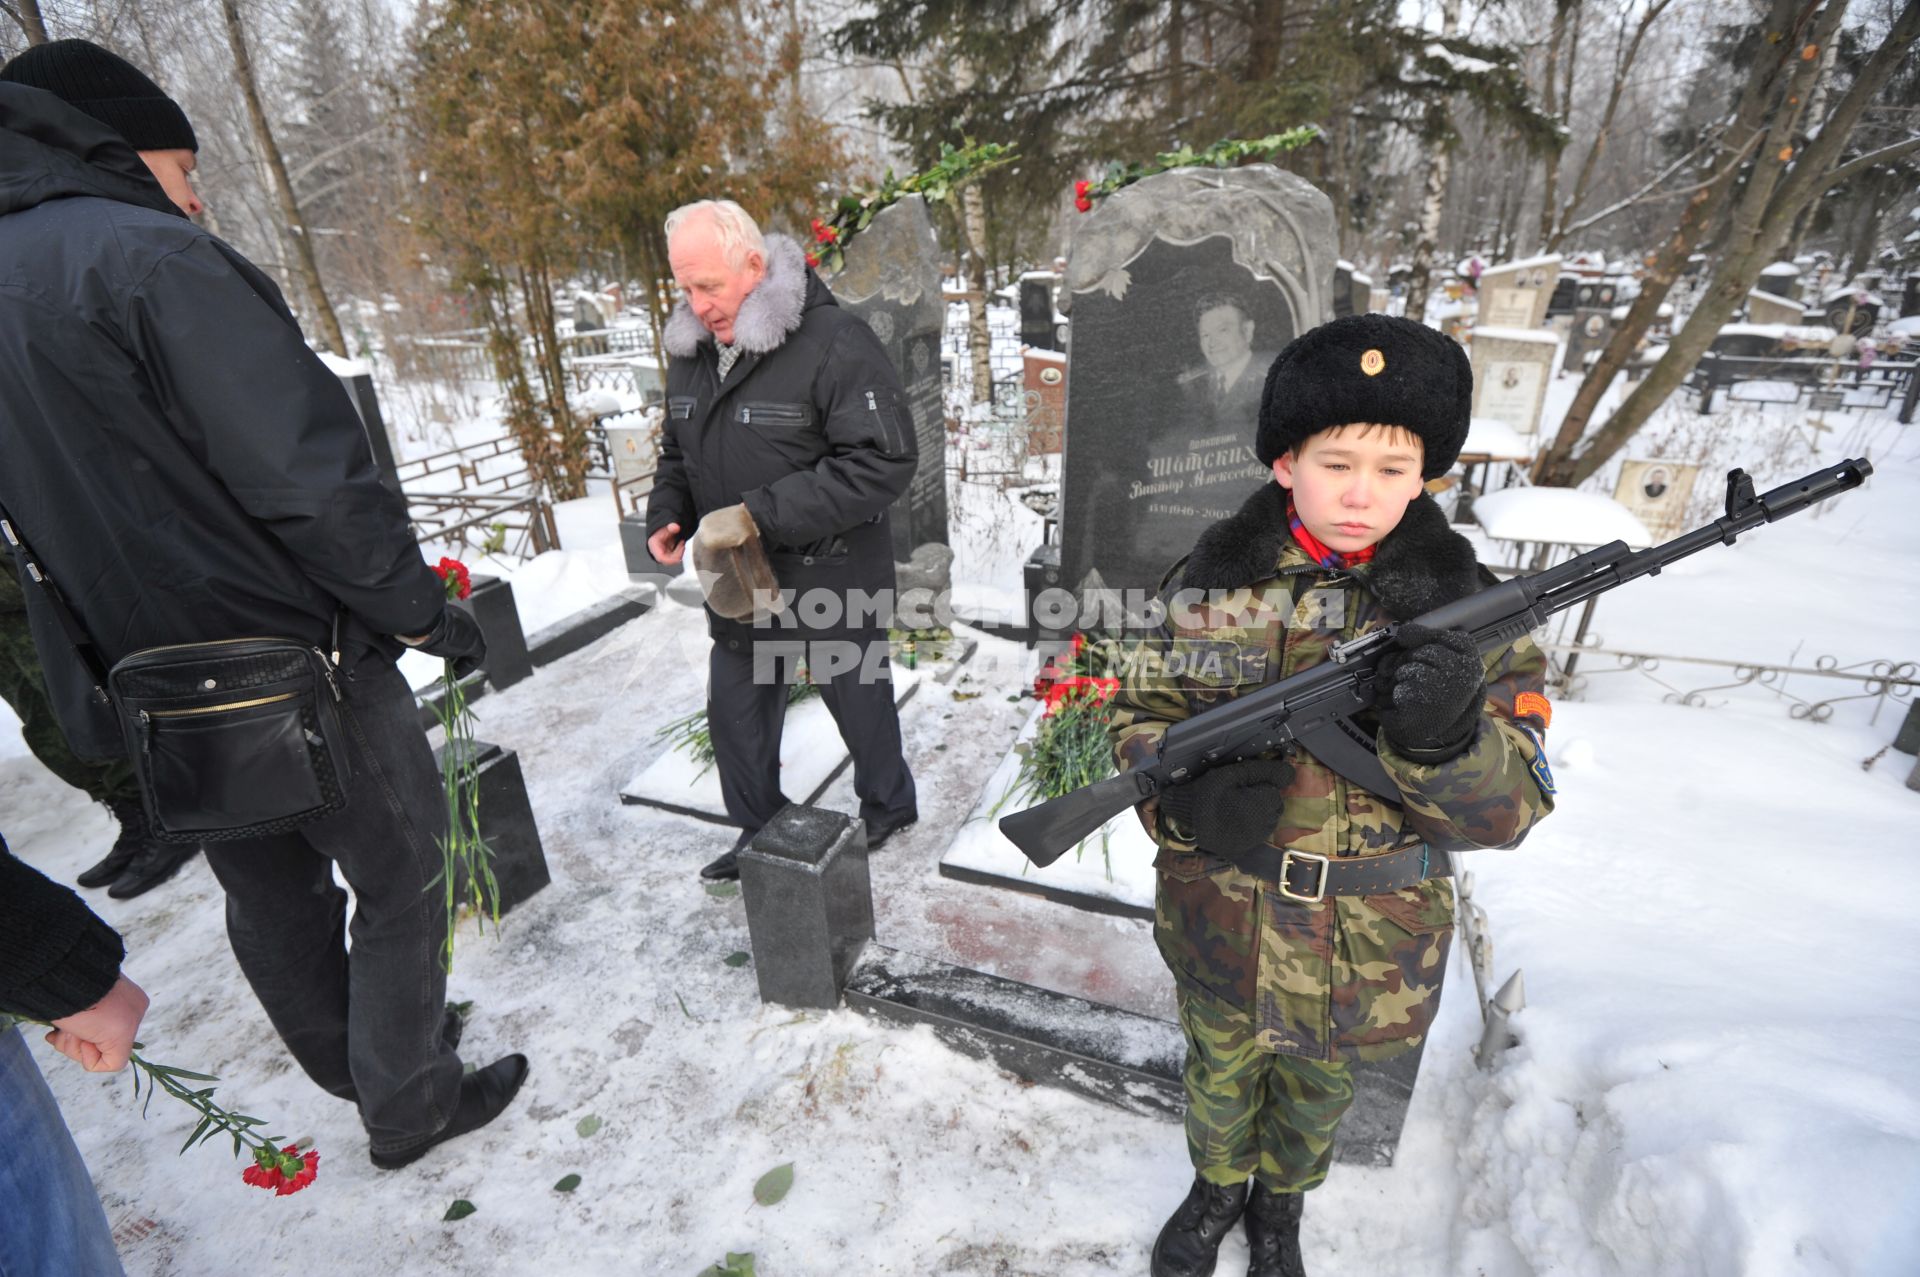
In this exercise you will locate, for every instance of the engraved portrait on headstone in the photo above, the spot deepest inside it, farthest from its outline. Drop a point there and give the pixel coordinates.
(1182, 287)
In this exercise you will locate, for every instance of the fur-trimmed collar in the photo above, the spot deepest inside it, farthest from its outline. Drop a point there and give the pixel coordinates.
(1420, 565)
(767, 317)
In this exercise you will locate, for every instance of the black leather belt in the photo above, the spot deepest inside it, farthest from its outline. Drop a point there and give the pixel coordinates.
(1310, 877)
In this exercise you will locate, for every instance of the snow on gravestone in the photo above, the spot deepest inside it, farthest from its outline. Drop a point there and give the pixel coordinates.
(891, 279)
(1182, 288)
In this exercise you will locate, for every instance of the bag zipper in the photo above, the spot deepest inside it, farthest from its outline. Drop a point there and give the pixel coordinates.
(215, 709)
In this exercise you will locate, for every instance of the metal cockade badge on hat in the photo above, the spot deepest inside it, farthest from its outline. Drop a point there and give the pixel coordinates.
(1372, 363)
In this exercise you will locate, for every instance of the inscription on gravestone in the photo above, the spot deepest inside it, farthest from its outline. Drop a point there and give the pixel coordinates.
(891, 280)
(1181, 288)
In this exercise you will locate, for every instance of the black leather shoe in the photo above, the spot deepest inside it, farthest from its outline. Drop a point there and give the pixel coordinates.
(1189, 1245)
(154, 864)
(726, 866)
(484, 1095)
(1273, 1234)
(885, 829)
(133, 836)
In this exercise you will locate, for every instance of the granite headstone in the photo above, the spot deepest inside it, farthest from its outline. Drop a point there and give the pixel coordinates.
(891, 279)
(1181, 288)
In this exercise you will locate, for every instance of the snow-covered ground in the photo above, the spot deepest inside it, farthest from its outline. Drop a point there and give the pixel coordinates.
(1714, 1076)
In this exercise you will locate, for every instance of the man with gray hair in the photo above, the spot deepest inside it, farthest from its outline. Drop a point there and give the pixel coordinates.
(787, 431)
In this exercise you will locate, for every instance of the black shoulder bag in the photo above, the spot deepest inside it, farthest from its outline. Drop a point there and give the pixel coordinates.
(235, 738)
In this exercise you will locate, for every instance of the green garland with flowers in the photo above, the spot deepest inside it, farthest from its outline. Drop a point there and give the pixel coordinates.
(1226, 153)
(854, 212)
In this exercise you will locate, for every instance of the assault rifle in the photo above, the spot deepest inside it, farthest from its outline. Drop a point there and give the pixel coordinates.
(1315, 707)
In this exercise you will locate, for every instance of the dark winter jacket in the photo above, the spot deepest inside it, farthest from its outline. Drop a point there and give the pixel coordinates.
(810, 431)
(56, 957)
(181, 462)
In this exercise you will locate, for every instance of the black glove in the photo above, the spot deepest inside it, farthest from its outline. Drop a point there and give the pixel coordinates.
(1430, 689)
(1232, 808)
(456, 637)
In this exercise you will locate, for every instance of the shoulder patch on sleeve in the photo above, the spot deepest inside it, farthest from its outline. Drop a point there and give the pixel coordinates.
(1542, 774)
(1535, 704)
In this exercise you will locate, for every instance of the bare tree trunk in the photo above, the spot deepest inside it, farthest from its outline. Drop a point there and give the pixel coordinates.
(1552, 105)
(1769, 202)
(1177, 63)
(1623, 68)
(1697, 218)
(973, 236)
(27, 14)
(1437, 134)
(282, 187)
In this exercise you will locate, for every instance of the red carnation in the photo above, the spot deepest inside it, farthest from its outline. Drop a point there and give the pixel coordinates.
(455, 577)
(287, 1171)
(1080, 687)
(813, 259)
(1084, 204)
(1081, 187)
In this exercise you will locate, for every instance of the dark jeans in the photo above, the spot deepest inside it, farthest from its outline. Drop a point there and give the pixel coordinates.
(745, 714)
(368, 1029)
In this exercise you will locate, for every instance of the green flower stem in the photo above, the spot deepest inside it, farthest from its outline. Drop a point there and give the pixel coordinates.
(214, 1118)
(462, 849)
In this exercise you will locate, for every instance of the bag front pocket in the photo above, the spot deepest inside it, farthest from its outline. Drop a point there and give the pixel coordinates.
(221, 766)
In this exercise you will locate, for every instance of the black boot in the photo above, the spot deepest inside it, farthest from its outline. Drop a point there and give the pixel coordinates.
(133, 834)
(155, 863)
(1190, 1242)
(1273, 1234)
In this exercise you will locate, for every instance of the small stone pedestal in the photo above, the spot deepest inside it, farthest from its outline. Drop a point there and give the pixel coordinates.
(492, 605)
(506, 822)
(809, 904)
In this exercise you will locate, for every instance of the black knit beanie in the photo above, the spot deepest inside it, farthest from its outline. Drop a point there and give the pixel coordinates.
(109, 88)
(1369, 368)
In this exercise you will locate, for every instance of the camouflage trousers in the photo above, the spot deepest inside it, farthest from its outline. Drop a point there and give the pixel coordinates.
(1253, 1113)
(22, 687)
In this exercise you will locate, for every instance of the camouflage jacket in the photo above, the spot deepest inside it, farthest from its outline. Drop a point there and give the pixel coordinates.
(1351, 977)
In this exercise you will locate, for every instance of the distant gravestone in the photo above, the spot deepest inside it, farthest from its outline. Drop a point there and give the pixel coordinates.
(1592, 329)
(1770, 308)
(1037, 326)
(1780, 279)
(1910, 296)
(1182, 288)
(891, 279)
(1510, 371)
(1517, 294)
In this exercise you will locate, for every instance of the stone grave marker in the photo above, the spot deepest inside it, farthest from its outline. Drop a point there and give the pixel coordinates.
(1516, 294)
(1182, 288)
(1037, 326)
(891, 279)
(1511, 367)
(1771, 308)
(1592, 329)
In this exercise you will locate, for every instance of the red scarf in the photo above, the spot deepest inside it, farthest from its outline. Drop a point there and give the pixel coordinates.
(1317, 551)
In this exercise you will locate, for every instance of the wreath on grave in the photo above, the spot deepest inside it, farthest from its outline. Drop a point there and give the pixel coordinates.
(1226, 153)
(1072, 747)
(854, 212)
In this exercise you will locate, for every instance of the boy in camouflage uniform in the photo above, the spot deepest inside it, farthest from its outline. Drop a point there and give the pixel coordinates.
(1307, 921)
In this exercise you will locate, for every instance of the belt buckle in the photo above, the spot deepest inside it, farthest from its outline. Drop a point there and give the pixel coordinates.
(1287, 862)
